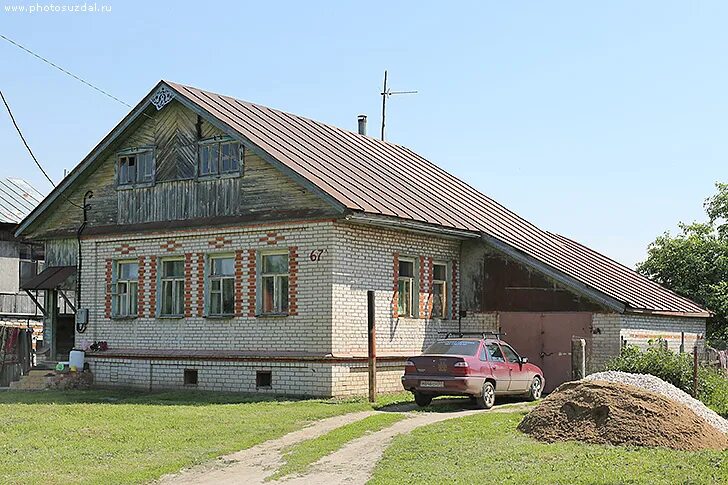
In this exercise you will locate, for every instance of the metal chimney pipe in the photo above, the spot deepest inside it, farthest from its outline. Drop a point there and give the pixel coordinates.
(362, 119)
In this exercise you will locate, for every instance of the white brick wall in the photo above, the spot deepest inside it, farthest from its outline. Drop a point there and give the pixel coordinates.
(640, 329)
(296, 379)
(332, 309)
(608, 330)
(308, 331)
(363, 260)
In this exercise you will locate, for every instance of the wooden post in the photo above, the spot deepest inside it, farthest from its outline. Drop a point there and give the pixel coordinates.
(372, 347)
(578, 358)
(695, 371)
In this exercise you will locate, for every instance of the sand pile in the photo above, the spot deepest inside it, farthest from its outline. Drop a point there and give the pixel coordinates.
(619, 414)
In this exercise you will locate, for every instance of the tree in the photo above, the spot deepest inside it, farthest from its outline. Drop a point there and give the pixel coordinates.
(694, 263)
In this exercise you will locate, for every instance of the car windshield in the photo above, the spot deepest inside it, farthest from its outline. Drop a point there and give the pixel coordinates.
(453, 347)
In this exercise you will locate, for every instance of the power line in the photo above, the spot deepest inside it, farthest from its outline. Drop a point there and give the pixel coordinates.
(25, 142)
(65, 71)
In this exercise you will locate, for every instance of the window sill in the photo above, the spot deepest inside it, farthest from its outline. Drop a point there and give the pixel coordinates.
(272, 315)
(227, 175)
(226, 316)
(170, 317)
(124, 317)
(144, 185)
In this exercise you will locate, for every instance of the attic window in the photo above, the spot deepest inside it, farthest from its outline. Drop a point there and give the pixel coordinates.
(136, 168)
(218, 157)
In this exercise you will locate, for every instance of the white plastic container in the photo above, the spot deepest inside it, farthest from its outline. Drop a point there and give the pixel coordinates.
(76, 359)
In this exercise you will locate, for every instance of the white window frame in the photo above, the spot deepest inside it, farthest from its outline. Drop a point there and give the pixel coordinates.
(411, 281)
(174, 281)
(277, 277)
(138, 176)
(219, 142)
(443, 283)
(211, 278)
(122, 302)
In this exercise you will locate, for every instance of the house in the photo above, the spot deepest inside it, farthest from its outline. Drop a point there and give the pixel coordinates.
(230, 246)
(20, 261)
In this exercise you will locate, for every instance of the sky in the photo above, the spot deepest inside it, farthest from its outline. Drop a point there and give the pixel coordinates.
(603, 121)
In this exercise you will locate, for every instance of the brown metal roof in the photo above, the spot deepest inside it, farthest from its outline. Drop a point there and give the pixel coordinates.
(375, 177)
(50, 278)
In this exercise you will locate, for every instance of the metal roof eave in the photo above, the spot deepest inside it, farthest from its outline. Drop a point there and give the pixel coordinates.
(411, 225)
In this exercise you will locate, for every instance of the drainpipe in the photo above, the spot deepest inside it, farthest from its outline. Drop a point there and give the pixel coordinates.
(81, 326)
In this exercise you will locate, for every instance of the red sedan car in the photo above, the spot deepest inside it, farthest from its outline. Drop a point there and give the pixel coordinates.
(481, 367)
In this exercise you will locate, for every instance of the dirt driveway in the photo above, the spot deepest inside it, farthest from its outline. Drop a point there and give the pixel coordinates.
(354, 462)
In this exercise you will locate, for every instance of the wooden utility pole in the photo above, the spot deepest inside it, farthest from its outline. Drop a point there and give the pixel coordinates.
(371, 321)
(695, 371)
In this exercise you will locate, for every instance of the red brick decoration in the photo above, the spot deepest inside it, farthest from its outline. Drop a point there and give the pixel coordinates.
(188, 284)
(422, 293)
(272, 238)
(293, 280)
(239, 283)
(455, 288)
(152, 287)
(107, 299)
(428, 295)
(219, 242)
(125, 249)
(251, 283)
(200, 283)
(140, 286)
(170, 246)
(395, 287)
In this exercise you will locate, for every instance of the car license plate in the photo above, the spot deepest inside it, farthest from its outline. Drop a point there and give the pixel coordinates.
(432, 384)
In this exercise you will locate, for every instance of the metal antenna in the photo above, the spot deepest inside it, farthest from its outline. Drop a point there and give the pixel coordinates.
(385, 94)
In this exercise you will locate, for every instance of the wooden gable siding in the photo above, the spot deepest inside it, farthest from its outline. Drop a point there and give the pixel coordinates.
(175, 138)
(176, 193)
(261, 188)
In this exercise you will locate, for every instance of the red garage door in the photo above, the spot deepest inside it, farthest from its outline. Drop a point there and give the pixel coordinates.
(545, 338)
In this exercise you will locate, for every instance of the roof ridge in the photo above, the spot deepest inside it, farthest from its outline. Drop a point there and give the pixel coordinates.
(319, 122)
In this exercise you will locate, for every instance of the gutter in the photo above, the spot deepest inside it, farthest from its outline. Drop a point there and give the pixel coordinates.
(662, 313)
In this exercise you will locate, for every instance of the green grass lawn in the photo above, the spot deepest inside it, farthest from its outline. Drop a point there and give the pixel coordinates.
(487, 448)
(126, 437)
(299, 457)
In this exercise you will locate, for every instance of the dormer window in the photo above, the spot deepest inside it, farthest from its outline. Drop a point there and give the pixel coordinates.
(136, 168)
(216, 157)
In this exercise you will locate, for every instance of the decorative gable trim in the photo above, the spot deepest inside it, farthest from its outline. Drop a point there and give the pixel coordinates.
(162, 97)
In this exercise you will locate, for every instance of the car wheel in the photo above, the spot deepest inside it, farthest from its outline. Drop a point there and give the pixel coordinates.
(487, 397)
(534, 392)
(422, 400)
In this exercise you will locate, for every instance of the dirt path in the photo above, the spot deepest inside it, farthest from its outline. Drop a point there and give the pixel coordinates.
(356, 460)
(353, 463)
(254, 464)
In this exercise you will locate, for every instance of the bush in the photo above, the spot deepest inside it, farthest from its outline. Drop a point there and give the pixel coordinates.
(713, 390)
(677, 369)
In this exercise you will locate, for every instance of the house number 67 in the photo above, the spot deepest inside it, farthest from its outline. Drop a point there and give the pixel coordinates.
(316, 255)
